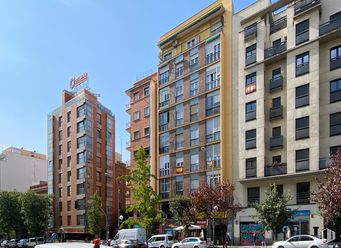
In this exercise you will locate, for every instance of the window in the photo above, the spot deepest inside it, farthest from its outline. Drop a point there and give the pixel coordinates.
(80, 204)
(163, 121)
(250, 55)
(192, 42)
(146, 131)
(250, 83)
(69, 116)
(81, 142)
(179, 114)
(276, 110)
(303, 193)
(216, 28)
(60, 178)
(164, 166)
(164, 75)
(194, 110)
(164, 97)
(80, 126)
(302, 64)
(146, 91)
(250, 139)
(81, 173)
(80, 110)
(80, 157)
(302, 160)
(69, 176)
(68, 190)
(276, 132)
(60, 135)
(60, 163)
(98, 133)
(302, 96)
(302, 128)
(68, 131)
(179, 70)
(164, 142)
(80, 189)
(302, 32)
(146, 111)
(276, 102)
(194, 59)
(60, 150)
(179, 139)
(80, 220)
(213, 129)
(98, 176)
(334, 149)
(213, 103)
(136, 115)
(335, 90)
(212, 153)
(194, 159)
(335, 124)
(194, 134)
(136, 135)
(167, 56)
(335, 58)
(179, 185)
(277, 159)
(194, 84)
(68, 146)
(250, 111)
(68, 161)
(194, 182)
(213, 77)
(212, 51)
(179, 159)
(60, 121)
(179, 85)
(252, 196)
(251, 167)
(164, 188)
(136, 96)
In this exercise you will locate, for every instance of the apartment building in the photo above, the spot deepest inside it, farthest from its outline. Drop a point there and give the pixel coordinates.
(194, 108)
(287, 79)
(81, 161)
(141, 126)
(20, 168)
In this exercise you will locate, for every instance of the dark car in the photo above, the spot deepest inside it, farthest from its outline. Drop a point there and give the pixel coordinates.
(13, 243)
(125, 243)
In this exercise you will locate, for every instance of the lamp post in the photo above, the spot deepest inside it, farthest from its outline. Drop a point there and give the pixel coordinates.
(121, 217)
(106, 225)
(215, 209)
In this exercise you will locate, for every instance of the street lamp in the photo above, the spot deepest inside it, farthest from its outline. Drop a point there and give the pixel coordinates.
(106, 225)
(121, 217)
(215, 209)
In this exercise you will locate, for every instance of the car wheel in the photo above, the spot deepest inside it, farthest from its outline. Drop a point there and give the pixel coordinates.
(314, 246)
(176, 247)
(162, 246)
(280, 247)
(196, 247)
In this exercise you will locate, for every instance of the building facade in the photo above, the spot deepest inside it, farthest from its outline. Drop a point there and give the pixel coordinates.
(20, 168)
(81, 161)
(194, 103)
(287, 121)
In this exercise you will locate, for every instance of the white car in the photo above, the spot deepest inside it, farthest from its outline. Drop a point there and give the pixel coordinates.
(69, 245)
(301, 241)
(161, 241)
(190, 242)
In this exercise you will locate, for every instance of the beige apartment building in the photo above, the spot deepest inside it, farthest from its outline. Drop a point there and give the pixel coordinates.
(287, 95)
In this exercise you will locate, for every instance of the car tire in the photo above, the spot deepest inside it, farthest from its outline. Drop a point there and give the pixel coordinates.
(280, 247)
(314, 246)
(196, 247)
(176, 247)
(162, 246)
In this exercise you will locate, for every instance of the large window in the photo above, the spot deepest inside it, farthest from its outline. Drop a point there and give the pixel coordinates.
(302, 160)
(179, 159)
(194, 110)
(250, 54)
(213, 156)
(335, 57)
(164, 142)
(179, 70)
(179, 139)
(81, 173)
(164, 75)
(80, 126)
(213, 129)
(251, 167)
(302, 128)
(81, 220)
(302, 96)
(146, 91)
(136, 115)
(164, 188)
(194, 182)
(164, 166)
(302, 32)
(146, 111)
(80, 157)
(252, 195)
(335, 124)
(194, 134)
(163, 121)
(212, 77)
(250, 83)
(194, 59)
(302, 64)
(250, 139)
(303, 193)
(335, 90)
(81, 142)
(81, 110)
(213, 103)
(179, 85)
(250, 111)
(179, 185)
(164, 97)
(212, 51)
(194, 159)
(179, 114)
(194, 84)
(213, 178)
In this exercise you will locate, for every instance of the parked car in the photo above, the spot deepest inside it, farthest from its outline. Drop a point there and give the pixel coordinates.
(68, 245)
(32, 242)
(4, 243)
(130, 234)
(190, 242)
(161, 241)
(12, 243)
(126, 243)
(22, 243)
(301, 241)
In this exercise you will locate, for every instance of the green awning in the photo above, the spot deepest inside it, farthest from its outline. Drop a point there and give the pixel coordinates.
(213, 38)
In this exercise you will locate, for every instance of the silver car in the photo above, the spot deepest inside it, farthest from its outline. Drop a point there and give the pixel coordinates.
(301, 241)
(190, 242)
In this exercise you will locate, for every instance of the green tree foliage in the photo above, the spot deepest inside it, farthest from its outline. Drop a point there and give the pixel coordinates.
(10, 217)
(94, 214)
(272, 212)
(36, 211)
(146, 200)
(182, 210)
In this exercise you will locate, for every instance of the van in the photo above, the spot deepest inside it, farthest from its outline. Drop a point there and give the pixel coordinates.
(161, 241)
(135, 234)
(32, 242)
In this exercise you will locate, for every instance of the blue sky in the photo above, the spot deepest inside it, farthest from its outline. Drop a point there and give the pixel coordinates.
(44, 43)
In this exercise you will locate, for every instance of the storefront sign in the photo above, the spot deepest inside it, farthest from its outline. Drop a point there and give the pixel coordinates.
(247, 231)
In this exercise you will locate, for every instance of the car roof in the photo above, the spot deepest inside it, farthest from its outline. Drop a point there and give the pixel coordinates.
(161, 235)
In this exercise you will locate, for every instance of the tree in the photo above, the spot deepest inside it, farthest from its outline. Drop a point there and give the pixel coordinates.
(10, 217)
(94, 214)
(36, 211)
(182, 210)
(146, 200)
(327, 193)
(272, 213)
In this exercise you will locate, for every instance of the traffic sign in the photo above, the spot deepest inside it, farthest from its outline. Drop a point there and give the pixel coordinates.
(54, 236)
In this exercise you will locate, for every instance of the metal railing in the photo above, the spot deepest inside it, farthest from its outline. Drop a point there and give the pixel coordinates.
(274, 50)
(250, 59)
(276, 83)
(213, 84)
(250, 31)
(303, 5)
(276, 112)
(275, 169)
(212, 57)
(278, 24)
(330, 26)
(276, 142)
(163, 172)
(302, 37)
(302, 197)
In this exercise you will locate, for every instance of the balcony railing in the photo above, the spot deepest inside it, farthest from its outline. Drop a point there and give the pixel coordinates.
(163, 172)
(276, 83)
(272, 51)
(276, 142)
(212, 57)
(128, 125)
(302, 37)
(302, 69)
(250, 59)
(251, 172)
(303, 5)
(250, 116)
(302, 133)
(302, 197)
(335, 63)
(213, 164)
(276, 112)
(213, 137)
(324, 163)
(275, 169)
(302, 165)
(330, 26)
(335, 96)
(163, 103)
(213, 84)
(250, 32)
(163, 127)
(213, 110)
(278, 24)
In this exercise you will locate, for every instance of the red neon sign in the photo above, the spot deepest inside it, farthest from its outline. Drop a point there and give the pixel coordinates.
(74, 82)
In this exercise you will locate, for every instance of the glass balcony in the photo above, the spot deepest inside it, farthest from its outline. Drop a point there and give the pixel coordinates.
(324, 163)
(330, 26)
(250, 32)
(250, 59)
(275, 169)
(302, 69)
(302, 165)
(250, 116)
(251, 172)
(276, 112)
(278, 49)
(302, 37)
(278, 24)
(302, 133)
(276, 142)
(303, 5)
(276, 83)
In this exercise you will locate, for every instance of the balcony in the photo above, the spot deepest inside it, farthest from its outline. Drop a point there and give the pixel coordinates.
(302, 69)
(250, 59)
(275, 169)
(212, 57)
(128, 125)
(128, 106)
(278, 24)
(276, 83)
(302, 165)
(164, 195)
(213, 137)
(213, 110)
(276, 112)
(163, 104)
(163, 172)
(302, 101)
(275, 50)
(302, 197)
(250, 116)
(302, 133)
(330, 26)
(335, 96)
(213, 84)
(303, 5)
(302, 37)
(276, 142)
(324, 163)
(335, 63)
(163, 127)
(250, 144)
(250, 32)
(251, 172)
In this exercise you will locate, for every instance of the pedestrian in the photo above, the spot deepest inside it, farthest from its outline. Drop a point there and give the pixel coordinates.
(96, 242)
(254, 238)
(228, 240)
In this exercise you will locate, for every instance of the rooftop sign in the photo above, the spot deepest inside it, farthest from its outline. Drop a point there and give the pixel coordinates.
(75, 82)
